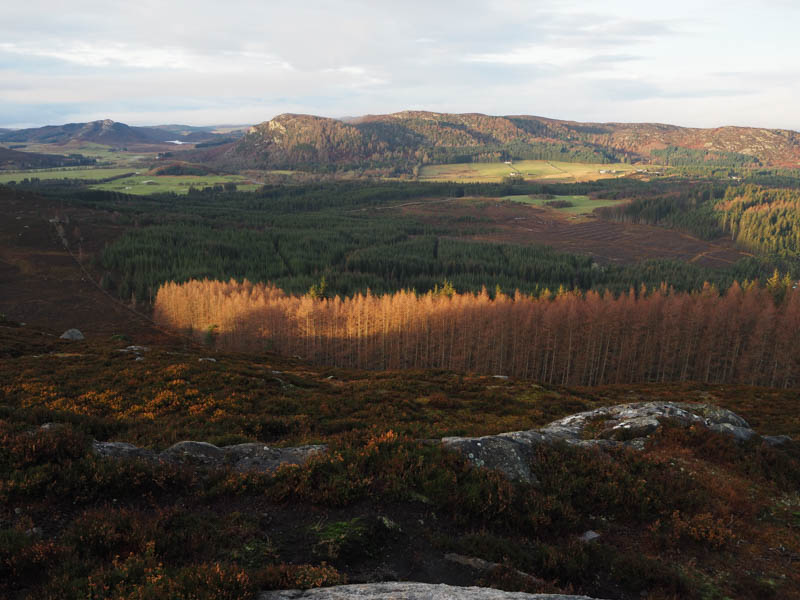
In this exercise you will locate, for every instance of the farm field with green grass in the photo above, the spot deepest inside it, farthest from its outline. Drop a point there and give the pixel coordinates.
(528, 169)
(579, 205)
(77, 173)
(179, 184)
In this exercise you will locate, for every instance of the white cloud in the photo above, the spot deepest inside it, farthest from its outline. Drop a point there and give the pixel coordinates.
(189, 60)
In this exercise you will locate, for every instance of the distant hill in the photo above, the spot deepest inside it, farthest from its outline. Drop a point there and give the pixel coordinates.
(14, 159)
(411, 138)
(110, 133)
(213, 134)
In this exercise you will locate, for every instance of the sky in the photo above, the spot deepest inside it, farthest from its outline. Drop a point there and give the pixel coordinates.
(698, 64)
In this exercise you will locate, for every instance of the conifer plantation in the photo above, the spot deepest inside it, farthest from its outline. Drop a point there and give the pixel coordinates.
(746, 335)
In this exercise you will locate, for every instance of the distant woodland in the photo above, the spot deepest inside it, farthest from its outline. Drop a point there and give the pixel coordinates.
(765, 220)
(746, 335)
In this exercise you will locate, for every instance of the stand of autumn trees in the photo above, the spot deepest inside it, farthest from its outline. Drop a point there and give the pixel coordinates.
(746, 335)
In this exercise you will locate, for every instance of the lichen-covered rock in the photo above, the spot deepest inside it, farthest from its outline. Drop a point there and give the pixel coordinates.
(624, 424)
(510, 453)
(242, 457)
(408, 591)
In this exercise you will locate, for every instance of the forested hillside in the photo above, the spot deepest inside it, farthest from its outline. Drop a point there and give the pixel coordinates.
(747, 335)
(413, 138)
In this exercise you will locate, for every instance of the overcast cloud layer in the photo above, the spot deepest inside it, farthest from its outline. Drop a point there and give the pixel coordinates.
(196, 62)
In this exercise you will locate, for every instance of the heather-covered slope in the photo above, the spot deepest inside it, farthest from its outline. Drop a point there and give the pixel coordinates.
(695, 514)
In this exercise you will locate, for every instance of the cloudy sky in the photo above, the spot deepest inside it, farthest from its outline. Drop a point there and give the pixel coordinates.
(699, 63)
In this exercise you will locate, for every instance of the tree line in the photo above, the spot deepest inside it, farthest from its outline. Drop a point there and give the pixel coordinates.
(746, 335)
(763, 219)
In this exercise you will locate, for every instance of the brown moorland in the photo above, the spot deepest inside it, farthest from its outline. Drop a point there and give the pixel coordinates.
(694, 516)
(607, 241)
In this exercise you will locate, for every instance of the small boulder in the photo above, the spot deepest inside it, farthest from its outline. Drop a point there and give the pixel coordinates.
(589, 536)
(73, 335)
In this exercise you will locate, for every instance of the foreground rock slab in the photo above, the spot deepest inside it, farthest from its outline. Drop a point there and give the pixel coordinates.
(242, 457)
(622, 425)
(511, 453)
(408, 591)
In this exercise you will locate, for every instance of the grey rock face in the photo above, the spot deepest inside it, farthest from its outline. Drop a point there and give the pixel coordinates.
(73, 335)
(242, 457)
(624, 424)
(408, 591)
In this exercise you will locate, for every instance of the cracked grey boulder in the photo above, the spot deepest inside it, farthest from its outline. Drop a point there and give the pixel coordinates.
(408, 591)
(242, 457)
(625, 424)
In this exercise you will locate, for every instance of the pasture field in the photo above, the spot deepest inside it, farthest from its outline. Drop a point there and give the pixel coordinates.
(581, 205)
(529, 169)
(179, 184)
(103, 153)
(66, 173)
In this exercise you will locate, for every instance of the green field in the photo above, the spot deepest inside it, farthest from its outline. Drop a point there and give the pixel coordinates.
(528, 169)
(76, 173)
(581, 205)
(101, 152)
(180, 184)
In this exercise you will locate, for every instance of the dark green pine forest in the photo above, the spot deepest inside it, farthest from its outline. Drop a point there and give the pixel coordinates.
(348, 234)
